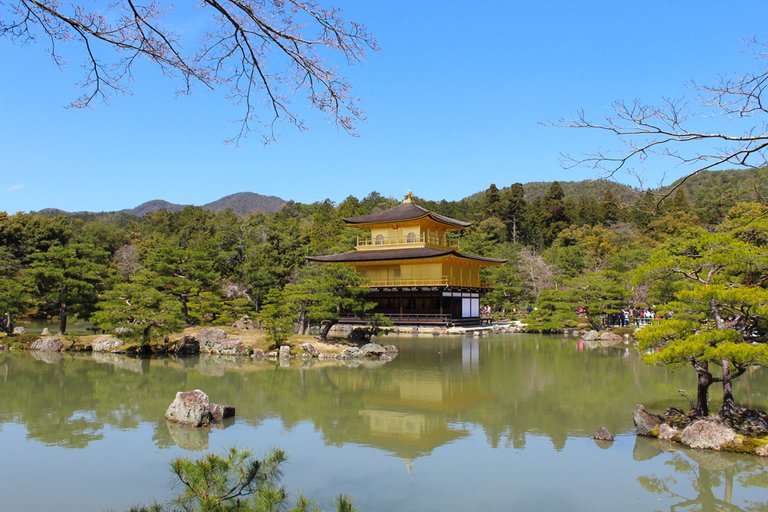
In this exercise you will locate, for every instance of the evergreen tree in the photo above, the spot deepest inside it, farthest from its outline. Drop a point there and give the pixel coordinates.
(609, 209)
(324, 293)
(491, 203)
(13, 295)
(136, 305)
(67, 279)
(720, 317)
(514, 207)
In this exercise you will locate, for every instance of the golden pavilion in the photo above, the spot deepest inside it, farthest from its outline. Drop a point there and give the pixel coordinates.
(413, 268)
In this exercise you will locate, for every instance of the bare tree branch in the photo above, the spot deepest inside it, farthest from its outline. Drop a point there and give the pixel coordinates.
(261, 52)
(670, 130)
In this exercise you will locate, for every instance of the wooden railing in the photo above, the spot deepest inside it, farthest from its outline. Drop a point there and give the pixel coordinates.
(396, 282)
(423, 239)
(425, 318)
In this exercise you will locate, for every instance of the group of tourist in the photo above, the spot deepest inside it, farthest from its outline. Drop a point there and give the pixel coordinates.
(636, 317)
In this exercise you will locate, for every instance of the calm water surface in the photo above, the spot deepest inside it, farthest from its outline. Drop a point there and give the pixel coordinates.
(452, 424)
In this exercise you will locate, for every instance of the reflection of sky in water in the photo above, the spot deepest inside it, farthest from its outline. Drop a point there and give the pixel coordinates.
(461, 424)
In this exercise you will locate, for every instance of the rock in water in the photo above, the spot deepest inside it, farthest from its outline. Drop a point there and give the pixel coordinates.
(186, 346)
(707, 434)
(645, 422)
(610, 339)
(106, 344)
(603, 435)
(47, 344)
(210, 337)
(19, 330)
(372, 350)
(350, 353)
(220, 412)
(667, 432)
(285, 352)
(192, 408)
(45, 332)
(310, 349)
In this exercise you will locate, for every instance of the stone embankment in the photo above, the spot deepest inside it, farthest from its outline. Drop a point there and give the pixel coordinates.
(309, 351)
(746, 432)
(210, 340)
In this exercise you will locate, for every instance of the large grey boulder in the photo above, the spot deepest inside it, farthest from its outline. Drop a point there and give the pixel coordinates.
(310, 349)
(647, 424)
(590, 336)
(47, 344)
(372, 350)
(668, 432)
(210, 336)
(194, 409)
(707, 434)
(106, 344)
(350, 353)
(186, 346)
(609, 338)
(285, 352)
(230, 347)
(191, 408)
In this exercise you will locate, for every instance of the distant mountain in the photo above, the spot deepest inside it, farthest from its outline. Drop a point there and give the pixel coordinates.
(576, 189)
(153, 206)
(240, 204)
(246, 202)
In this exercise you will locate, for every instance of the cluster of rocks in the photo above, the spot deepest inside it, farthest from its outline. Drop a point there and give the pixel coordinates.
(210, 340)
(194, 409)
(309, 351)
(707, 433)
(602, 339)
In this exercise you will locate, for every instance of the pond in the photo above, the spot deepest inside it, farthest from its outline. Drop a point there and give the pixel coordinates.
(452, 424)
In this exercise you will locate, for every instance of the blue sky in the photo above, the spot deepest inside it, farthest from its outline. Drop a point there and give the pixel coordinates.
(455, 100)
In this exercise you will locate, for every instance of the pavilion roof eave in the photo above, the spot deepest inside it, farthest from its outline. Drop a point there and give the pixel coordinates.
(403, 213)
(400, 254)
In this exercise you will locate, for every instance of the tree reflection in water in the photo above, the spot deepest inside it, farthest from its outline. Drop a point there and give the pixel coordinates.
(705, 480)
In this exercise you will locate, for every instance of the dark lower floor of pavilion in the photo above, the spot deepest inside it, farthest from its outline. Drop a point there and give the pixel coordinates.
(438, 306)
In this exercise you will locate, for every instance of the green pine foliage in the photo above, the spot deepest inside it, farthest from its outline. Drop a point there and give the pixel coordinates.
(234, 481)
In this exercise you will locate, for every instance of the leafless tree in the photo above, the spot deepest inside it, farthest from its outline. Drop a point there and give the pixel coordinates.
(260, 51)
(677, 129)
(539, 275)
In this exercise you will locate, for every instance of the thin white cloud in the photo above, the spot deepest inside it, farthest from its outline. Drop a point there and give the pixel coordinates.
(16, 187)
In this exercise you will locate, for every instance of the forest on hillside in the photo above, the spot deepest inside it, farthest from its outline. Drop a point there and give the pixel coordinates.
(574, 250)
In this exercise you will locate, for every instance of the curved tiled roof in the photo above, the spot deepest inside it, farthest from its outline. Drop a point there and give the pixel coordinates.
(397, 254)
(403, 212)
